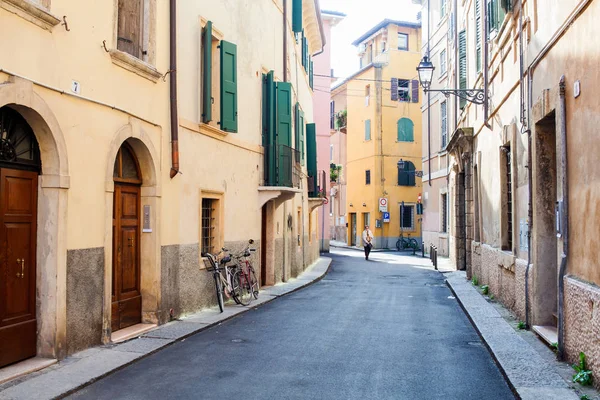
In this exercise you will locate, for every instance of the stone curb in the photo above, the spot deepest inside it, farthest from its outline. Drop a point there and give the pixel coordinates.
(526, 372)
(135, 349)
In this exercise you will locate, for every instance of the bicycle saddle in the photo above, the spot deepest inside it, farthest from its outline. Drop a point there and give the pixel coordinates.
(225, 260)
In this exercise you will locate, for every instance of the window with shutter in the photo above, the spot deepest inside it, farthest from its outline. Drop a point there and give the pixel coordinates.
(299, 133)
(405, 130)
(269, 119)
(207, 73)
(402, 41)
(403, 90)
(443, 62)
(311, 74)
(129, 27)
(229, 111)
(304, 51)
(368, 129)
(462, 64)
(284, 114)
(406, 175)
(368, 177)
(297, 15)
(311, 155)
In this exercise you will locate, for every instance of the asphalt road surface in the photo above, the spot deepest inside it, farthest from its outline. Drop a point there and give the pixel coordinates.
(382, 329)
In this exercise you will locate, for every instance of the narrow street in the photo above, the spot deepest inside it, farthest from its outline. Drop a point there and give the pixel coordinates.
(383, 329)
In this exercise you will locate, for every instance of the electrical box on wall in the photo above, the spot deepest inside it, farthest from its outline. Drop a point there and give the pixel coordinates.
(377, 223)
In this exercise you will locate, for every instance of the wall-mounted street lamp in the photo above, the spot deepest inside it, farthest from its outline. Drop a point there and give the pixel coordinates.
(425, 70)
(402, 164)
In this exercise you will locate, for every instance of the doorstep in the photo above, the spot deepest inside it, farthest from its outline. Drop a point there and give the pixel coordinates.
(24, 367)
(548, 334)
(130, 332)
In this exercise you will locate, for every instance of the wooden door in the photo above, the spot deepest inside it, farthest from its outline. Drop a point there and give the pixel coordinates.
(263, 246)
(353, 229)
(126, 294)
(18, 220)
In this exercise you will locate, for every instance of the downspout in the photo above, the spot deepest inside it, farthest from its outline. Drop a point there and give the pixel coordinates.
(564, 223)
(486, 60)
(173, 89)
(284, 40)
(455, 34)
(429, 95)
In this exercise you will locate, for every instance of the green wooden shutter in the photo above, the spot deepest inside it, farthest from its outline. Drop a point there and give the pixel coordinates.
(228, 86)
(284, 135)
(462, 64)
(269, 131)
(302, 128)
(284, 113)
(297, 15)
(297, 126)
(303, 50)
(405, 130)
(368, 129)
(207, 73)
(311, 150)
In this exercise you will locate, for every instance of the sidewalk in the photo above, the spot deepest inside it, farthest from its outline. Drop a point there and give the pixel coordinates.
(528, 374)
(344, 245)
(83, 368)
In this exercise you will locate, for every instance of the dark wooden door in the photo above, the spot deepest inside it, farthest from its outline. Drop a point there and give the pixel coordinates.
(126, 295)
(18, 220)
(263, 246)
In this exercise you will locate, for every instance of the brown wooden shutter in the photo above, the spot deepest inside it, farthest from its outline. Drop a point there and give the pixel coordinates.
(415, 91)
(394, 89)
(129, 28)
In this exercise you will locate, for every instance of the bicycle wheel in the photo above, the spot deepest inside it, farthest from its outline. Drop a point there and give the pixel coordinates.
(216, 276)
(253, 282)
(398, 244)
(241, 288)
(414, 244)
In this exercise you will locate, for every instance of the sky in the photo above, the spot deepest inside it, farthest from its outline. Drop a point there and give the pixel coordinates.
(361, 15)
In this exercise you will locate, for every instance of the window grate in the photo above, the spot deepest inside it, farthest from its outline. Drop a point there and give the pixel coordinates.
(408, 219)
(208, 226)
(509, 224)
(444, 211)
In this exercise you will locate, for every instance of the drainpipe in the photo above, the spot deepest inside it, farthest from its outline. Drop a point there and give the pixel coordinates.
(564, 222)
(428, 96)
(284, 40)
(173, 89)
(486, 111)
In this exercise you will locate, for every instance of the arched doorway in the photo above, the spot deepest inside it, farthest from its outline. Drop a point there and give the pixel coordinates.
(126, 272)
(20, 166)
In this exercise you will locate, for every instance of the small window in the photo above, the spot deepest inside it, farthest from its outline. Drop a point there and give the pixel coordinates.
(508, 199)
(368, 129)
(406, 175)
(330, 153)
(407, 217)
(367, 219)
(402, 41)
(299, 225)
(403, 90)
(208, 226)
(405, 130)
(443, 9)
(367, 95)
(444, 122)
(130, 28)
(442, 62)
(332, 115)
(368, 177)
(444, 213)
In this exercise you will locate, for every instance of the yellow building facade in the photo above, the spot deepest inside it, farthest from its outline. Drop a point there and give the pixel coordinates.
(133, 137)
(383, 134)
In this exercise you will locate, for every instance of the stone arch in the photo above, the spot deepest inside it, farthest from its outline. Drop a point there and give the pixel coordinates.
(150, 266)
(51, 252)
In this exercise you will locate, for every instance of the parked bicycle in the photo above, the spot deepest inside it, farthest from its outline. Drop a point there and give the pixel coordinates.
(405, 243)
(246, 276)
(228, 284)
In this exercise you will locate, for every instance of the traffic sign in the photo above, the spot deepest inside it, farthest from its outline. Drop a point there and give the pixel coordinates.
(386, 217)
(383, 204)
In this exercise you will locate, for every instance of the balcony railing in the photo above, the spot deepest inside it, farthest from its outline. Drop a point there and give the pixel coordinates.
(280, 166)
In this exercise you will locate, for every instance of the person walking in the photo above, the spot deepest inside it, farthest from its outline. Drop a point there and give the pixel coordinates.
(367, 237)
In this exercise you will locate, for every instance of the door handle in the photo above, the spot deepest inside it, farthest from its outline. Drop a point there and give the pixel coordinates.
(131, 242)
(22, 273)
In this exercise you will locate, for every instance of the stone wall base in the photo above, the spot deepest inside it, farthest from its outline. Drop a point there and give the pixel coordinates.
(582, 324)
(503, 273)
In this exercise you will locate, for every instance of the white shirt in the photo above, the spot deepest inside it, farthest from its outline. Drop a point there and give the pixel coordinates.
(367, 237)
